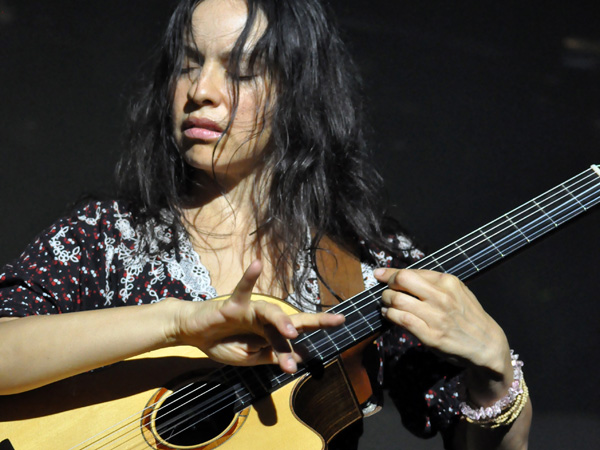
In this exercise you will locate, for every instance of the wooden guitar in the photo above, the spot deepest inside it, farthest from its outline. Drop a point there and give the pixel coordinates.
(177, 398)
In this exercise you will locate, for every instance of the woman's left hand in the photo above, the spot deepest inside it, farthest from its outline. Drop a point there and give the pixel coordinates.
(445, 315)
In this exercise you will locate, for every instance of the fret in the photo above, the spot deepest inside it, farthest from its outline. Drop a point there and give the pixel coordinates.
(545, 214)
(574, 198)
(491, 242)
(243, 397)
(437, 263)
(538, 219)
(361, 319)
(452, 261)
(364, 320)
(266, 374)
(562, 208)
(516, 227)
(467, 257)
(341, 336)
(503, 236)
(372, 318)
(305, 347)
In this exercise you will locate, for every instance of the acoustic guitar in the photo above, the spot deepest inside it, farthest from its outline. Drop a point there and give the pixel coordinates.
(176, 398)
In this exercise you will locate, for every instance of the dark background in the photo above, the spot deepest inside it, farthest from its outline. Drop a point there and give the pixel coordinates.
(475, 108)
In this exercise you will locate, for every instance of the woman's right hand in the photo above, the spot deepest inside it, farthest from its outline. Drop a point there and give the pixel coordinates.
(234, 331)
(240, 331)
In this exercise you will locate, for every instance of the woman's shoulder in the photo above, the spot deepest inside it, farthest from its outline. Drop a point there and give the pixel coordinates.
(100, 212)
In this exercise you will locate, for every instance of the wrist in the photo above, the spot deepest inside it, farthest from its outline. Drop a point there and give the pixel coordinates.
(503, 411)
(489, 380)
(172, 311)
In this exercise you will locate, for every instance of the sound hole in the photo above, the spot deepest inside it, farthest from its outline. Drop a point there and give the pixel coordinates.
(195, 414)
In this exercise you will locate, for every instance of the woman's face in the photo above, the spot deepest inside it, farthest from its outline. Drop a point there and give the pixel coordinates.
(203, 101)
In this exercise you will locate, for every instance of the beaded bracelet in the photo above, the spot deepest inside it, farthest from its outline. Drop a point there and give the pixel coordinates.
(506, 410)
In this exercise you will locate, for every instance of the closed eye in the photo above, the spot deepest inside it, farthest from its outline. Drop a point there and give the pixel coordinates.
(241, 77)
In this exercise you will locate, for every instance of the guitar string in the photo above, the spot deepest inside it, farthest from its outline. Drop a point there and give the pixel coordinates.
(197, 409)
(516, 210)
(544, 232)
(533, 236)
(133, 421)
(353, 340)
(135, 417)
(572, 203)
(433, 254)
(198, 412)
(519, 240)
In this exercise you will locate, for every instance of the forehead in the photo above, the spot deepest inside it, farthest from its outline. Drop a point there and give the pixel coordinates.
(217, 24)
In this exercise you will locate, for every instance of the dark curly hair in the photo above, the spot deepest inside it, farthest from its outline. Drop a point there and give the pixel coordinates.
(322, 182)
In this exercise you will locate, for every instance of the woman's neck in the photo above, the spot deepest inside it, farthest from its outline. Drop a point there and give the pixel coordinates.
(229, 210)
(223, 226)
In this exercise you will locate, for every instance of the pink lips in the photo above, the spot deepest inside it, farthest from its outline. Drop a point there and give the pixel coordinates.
(202, 129)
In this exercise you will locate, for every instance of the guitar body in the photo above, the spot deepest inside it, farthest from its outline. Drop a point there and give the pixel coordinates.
(120, 407)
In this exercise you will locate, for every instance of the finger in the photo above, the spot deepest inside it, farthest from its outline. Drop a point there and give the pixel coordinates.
(384, 274)
(250, 343)
(409, 321)
(288, 362)
(282, 350)
(271, 314)
(243, 290)
(404, 302)
(309, 322)
(422, 284)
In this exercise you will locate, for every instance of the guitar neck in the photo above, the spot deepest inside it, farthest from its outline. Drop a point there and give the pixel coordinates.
(517, 228)
(462, 258)
(468, 255)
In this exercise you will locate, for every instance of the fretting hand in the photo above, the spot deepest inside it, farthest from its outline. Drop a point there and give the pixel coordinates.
(445, 315)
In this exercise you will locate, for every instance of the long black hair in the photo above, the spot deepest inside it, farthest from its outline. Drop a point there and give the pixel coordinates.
(321, 179)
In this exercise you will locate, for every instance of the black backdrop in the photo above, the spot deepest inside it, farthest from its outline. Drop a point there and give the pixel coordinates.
(475, 108)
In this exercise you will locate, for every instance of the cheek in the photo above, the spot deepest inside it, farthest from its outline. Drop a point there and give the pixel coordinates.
(177, 109)
(250, 114)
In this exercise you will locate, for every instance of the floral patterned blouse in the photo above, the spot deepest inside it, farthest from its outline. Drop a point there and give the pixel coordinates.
(93, 260)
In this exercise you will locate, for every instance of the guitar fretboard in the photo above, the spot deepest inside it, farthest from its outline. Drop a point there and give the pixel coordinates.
(462, 258)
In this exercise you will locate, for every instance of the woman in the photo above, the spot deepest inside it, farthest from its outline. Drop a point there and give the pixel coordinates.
(245, 152)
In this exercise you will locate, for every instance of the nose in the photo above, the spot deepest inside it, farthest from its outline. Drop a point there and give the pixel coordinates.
(209, 86)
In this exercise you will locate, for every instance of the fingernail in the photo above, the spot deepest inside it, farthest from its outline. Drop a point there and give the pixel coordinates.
(292, 329)
(293, 365)
(378, 272)
(384, 311)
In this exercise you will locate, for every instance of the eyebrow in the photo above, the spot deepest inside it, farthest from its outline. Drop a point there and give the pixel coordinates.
(194, 53)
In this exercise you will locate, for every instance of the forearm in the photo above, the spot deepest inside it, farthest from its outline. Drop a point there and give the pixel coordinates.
(38, 350)
(234, 331)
